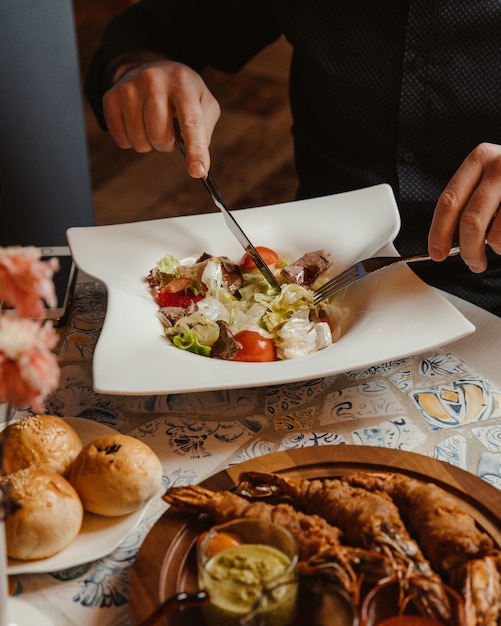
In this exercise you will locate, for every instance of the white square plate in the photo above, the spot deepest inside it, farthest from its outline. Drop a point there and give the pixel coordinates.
(394, 314)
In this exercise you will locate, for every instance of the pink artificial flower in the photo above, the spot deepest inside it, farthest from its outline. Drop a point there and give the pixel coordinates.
(28, 368)
(26, 281)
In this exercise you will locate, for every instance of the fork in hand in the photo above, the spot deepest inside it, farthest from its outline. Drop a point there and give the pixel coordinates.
(363, 268)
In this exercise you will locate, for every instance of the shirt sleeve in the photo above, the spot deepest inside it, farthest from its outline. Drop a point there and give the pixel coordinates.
(224, 34)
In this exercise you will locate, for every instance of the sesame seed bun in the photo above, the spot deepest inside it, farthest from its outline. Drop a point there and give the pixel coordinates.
(50, 514)
(44, 440)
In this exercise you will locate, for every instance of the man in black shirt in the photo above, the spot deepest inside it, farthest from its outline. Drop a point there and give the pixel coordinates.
(399, 91)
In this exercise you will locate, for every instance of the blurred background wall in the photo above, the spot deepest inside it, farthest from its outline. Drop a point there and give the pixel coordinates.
(45, 183)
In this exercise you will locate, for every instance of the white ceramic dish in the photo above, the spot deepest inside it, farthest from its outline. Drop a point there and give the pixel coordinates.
(394, 313)
(98, 536)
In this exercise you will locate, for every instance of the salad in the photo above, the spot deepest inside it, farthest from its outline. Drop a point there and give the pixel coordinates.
(219, 308)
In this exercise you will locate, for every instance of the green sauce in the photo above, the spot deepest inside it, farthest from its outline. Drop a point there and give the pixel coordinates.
(236, 577)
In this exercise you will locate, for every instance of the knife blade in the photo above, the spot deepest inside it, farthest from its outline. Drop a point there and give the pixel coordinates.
(231, 222)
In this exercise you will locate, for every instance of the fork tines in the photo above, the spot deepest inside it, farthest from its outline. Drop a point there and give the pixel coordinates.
(337, 283)
(367, 266)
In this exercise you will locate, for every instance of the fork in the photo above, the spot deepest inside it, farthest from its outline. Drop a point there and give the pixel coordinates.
(364, 268)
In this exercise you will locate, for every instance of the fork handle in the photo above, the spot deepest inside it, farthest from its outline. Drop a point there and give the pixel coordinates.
(386, 261)
(454, 251)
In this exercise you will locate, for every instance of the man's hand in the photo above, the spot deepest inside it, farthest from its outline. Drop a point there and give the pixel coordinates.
(468, 209)
(145, 97)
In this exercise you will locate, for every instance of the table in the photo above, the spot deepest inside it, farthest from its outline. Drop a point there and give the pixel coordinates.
(445, 403)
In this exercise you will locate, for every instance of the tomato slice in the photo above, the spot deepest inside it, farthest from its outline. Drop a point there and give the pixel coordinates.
(255, 347)
(176, 284)
(177, 299)
(175, 293)
(269, 256)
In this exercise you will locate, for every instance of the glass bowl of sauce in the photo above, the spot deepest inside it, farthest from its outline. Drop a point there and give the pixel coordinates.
(248, 568)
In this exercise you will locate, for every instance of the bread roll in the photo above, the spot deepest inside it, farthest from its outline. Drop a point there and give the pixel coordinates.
(45, 440)
(115, 474)
(50, 514)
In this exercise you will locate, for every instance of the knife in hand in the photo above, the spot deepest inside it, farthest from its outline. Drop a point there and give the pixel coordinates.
(231, 222)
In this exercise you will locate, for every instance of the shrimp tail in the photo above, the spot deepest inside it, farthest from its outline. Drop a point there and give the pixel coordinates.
(190, 498)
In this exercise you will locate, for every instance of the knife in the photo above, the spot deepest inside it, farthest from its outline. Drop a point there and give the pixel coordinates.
(231, 222)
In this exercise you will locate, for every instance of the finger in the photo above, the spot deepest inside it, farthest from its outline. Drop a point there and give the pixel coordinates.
(156, 108)
(115, 122)
(476, 222)
(156, 124)
(445, 223)
(128, 101)
(197, 112)
(134, 127)
(494, 233)
(195, 142)
(199, 154)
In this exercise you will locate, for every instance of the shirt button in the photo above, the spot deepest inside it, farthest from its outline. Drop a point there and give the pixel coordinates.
(409, 157)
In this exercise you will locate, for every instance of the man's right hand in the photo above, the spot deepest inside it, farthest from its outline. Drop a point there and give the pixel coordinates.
(144, 99)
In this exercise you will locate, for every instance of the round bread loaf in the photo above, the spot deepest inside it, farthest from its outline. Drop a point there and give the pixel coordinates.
(115, 474)
(45, 440)
(49, 517)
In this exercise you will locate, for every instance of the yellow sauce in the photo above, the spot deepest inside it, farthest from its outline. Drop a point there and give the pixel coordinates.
(236, 577)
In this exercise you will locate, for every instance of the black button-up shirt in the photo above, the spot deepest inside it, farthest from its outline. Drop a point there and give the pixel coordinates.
(396, 91)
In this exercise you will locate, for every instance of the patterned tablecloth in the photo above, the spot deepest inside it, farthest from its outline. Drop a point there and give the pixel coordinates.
(433, 403)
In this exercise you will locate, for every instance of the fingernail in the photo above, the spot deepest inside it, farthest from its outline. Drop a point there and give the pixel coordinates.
(436, 252)
(197, 170)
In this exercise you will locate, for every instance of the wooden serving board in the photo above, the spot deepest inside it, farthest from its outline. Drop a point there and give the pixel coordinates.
(165, 563)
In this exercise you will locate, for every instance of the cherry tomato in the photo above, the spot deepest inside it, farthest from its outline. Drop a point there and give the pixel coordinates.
(255, 347)
(269, 256)
(219, 542)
